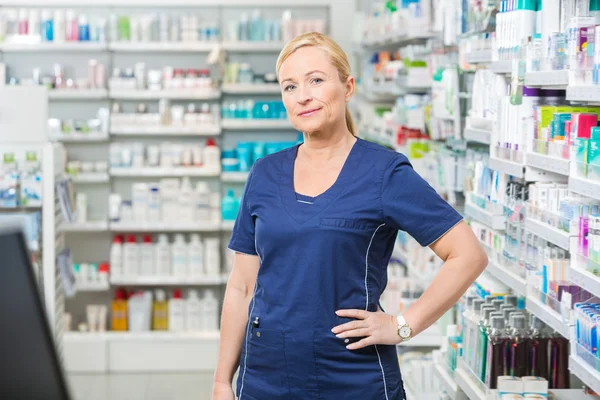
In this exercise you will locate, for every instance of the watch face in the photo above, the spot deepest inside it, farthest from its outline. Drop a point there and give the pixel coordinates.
(405, 332)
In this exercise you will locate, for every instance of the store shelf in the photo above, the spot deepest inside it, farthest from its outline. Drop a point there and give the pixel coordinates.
(173, 94)
(256, 124)
(585, 187)
(52, 46)
(448, 383)
(507, 167)
(477, 135)
(75, 94)
(584, 94)
(94, 226)
(144, 336)
(585, 279)
(227, 226)
(80, 138)
(251, 88)
(91, 177)
(168, 281)
(160, 47)
(165, 227)
(501, 67)
(253, 47)
(588, 375)
(166, 172)
(496, 222)
(159, 130)
(431, 337)
(479, 57)
(548, 233)
(548, 163)
(397, 40)
(508, 277)
(547, 79)
(234, 177)
(469, 386)
(553, 319)
(92, 287)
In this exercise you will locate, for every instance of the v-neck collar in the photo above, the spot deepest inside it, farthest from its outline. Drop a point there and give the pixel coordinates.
(288, 194)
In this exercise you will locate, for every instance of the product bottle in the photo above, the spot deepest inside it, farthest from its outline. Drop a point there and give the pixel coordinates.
(179, 257)
(186, 201)
(47, 30)
(34, 22)
(59, 26)
(72, 28)
(147, 256)
(497, 303)
(211, 311)
(194, 309)
(480, 364)
(470, 341)
(196, 256)
(177, 312)
(163, 256)
(538, 349)
(559, 363)
(23, 21)
(160, 312)
(518, 347)
(511, 300)
(140, 312)
(495, 353)
(118, 313)
(229, 206)
(116, 257)
(212, 155)
(287, 29)
(202, 212)
(131, 257)
(84, 28)
(212, 264)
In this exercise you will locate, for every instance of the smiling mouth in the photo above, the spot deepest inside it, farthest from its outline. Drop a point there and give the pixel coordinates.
(308, 113)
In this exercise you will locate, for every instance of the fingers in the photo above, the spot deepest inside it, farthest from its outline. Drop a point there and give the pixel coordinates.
(368, 341)
(355, 333)
(349, 326)
(359, 314)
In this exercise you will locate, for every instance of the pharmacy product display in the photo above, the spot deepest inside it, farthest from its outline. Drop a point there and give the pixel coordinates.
(91, 276)
(243, 73)
(168, 78)
(393, 19)
(65, 129)
(20, 179)
(255, 28)
(251, 109)
(243, 157)
(163, 27)
(58, 79)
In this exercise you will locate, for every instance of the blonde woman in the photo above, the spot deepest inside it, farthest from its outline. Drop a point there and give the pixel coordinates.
(313, 239)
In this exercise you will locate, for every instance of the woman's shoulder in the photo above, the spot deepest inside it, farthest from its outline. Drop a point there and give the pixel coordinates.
(378, 154)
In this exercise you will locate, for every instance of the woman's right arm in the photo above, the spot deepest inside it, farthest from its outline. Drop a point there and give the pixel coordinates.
(238, 294)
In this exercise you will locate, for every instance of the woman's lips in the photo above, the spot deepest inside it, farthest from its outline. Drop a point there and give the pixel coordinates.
(308, 113)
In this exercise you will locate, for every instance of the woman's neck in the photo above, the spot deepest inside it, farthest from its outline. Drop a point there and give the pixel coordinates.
(323, 146)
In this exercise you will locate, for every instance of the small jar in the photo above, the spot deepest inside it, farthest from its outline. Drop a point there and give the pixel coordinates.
(164, 110)
(191, 79)
(191, 115)
(177, 113)
(178, 79)
(204, 81)
(245, 75)
(205, 117)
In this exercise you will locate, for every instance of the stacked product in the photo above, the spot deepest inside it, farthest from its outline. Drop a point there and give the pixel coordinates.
(243, 73)
(20, 179)
(75, 168)
(163, 27)
(387, 18)
(192, 259)
(169, 201)
(168, 78)
(189, 117)
(57, 80)
(251, 109)
(91, 274)
(243, 157)
(79, 128)
(586, 317)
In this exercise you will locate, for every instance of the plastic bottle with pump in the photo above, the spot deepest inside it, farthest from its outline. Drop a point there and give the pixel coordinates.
(131, 257)
(196, 256)
(140, 311)
(212, 264)
(202, 212)
(518, 347)
(211, 311)
(147, 257)
(229, 206)
(495, 352)
(116, 257)
(118, 315)
(160, 312)
(177, 312)
(194, 309)
(163, 256)
(187, 201)
(538, 341)
(212, 155)
(179, 257)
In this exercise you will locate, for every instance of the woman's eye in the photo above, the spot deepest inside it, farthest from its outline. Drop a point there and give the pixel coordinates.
(317, 80)
(289, 88)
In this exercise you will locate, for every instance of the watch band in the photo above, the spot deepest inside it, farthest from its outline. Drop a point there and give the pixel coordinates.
(404, 330)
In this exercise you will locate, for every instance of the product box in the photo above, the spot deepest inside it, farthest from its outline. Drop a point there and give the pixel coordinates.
(546, 116)
(535, 387)
(509, 385)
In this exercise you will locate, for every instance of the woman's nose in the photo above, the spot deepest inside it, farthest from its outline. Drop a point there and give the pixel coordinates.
(305, 95)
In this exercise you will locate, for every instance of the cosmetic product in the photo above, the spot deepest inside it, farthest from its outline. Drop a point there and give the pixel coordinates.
(495, 352)
(518, 347)
(559, 363)
(538, 345)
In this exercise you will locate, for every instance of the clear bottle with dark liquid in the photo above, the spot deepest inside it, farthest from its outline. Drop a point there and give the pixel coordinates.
(496, 348)
(559, 363)
(517, 347)
(539, 340)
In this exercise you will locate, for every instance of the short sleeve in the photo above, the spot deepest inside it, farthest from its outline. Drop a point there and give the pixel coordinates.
(410, 204)
(242, 237)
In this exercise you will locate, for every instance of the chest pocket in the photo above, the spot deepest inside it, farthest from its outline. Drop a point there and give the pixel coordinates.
(363, 225)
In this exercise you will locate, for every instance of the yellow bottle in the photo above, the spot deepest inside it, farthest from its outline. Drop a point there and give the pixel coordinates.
(160, 312)
(119, 311)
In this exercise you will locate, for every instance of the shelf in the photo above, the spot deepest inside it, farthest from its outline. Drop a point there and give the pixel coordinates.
(501, 67)
(95, 226)
(164, 227)
(234, 177)
(167, 47)
(159, 130)
(468, 385)
(585, 187)
(52, 46)
(97, 287)
(588, 375)
(396, 39)
(75, 94)
(168, 281)
(251, 88)
(173, 94)
(448, 383)
(431, 337)
(507, 167)
(508, 277)
(547, 79)
(166, 172)
(477, 135)
(549, 233)
(90, 177)
(585, 279)
(553, 319)
(479, 57)
(256, 124)
(584, 94)
(496, 222)
(227, 226)
(135, 336)
(548, 163)
(79, 138)
(253, 47)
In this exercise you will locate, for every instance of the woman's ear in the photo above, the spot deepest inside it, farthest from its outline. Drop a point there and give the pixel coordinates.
(349, 86)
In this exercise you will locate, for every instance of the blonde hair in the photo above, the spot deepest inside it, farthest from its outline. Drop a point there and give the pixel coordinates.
(338, 57)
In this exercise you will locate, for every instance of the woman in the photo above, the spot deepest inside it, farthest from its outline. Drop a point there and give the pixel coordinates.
(312, 241)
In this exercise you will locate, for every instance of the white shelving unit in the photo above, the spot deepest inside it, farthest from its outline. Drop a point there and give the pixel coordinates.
(507, 167)
(479, 57)
(165, 172)
(496, 222)
(549, 233)
(477, 135)
(256, 124)
(501, 67)
(234, 177)
(548, 163)
(81, 94)
(81, 138)
(169, 281)
(173, 94)
(93, 226)
(91, 177)
(164, 227)
(92, 287)
(583, 94)
(253, 47)
(162, 47)
(398, 39)
(585, 279)
(547, 79)
(585, 187)
(201, 130)
(448, 383)
(508, 277)
(585, 372)
(53, 47)
(553, 319)
(251, 88)
(469, 386)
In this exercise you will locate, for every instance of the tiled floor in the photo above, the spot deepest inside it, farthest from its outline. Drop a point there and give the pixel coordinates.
(177, 386)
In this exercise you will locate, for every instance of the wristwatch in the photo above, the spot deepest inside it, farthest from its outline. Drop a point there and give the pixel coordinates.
(404, 330)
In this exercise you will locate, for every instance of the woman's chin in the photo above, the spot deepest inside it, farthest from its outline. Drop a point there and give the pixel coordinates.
(308, 126)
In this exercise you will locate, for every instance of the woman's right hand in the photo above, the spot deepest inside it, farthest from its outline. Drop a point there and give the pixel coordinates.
(222, 391)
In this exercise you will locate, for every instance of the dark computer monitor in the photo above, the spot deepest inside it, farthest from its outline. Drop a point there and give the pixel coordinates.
(28, 359)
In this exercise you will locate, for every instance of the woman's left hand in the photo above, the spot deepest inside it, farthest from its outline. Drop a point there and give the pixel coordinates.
(376, 328)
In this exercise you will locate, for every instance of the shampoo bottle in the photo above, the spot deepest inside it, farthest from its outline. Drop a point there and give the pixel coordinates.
(116, 257)
(212, 155)
(559, 363)
(229, 206)
(163, 256)
(202, 212)
(179, 257)
(210, 312)
(147, 256)
(518, 347)
(160, 312)
(176, 312)
(193, 312)
(495, 353)
(118, 315)
(212, 263)
(538, 349)
(196, 256)
(187, 201)
(131, 257)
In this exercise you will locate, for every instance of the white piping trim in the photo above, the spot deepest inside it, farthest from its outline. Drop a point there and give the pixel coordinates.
(382, 373)
(367, 266)
(305, 202)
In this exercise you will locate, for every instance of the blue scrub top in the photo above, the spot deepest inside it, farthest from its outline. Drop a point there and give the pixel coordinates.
(322, 254)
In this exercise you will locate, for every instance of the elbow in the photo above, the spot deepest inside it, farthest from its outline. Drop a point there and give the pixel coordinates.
(481, 260)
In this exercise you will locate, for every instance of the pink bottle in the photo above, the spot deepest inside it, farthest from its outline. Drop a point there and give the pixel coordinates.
(72, 27)
(23, 22)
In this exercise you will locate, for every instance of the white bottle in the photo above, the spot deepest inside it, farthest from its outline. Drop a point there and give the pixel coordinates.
(131, 257)
(162, 251)
(212, 260)
(194, 308)
(196, 256)
(179, 257)
(202, 211)
(116, 257)
(177, 312)
(210, 314)
(212, 155)
(147, 257)
(186, 202)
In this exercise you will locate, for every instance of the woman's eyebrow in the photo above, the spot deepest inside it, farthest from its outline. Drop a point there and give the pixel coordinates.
(306, 74)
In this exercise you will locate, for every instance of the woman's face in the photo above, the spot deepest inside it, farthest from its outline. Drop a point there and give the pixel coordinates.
(313, 95)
